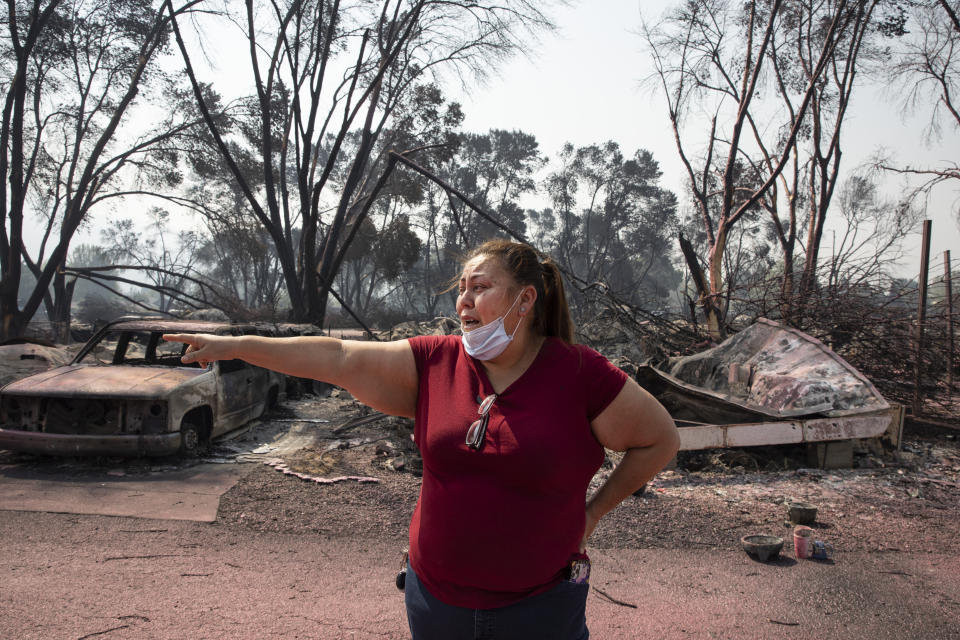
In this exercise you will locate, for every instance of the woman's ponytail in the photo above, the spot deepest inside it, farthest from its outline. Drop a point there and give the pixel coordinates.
(554, 316)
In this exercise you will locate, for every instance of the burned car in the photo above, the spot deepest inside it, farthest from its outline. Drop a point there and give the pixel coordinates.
(127, 393)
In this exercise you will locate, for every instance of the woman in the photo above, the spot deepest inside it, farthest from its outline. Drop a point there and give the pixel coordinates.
(511, 420)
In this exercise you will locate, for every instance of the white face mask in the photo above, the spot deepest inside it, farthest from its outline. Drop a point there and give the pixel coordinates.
(490, 340)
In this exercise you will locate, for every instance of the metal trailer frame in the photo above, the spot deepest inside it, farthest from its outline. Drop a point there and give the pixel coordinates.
(885, 424)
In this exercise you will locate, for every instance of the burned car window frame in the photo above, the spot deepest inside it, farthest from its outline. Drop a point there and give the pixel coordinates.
(122, 355)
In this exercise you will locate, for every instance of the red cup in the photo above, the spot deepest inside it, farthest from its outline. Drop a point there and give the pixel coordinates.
(802, 542)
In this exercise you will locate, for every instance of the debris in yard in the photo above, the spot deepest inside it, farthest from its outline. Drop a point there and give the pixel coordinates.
(610, 598)
(802, 512)
(762, 547)
(23, 359)
(822, 550)
(282, 467)
(802, 542)
(620, 343)
(266, 448)
(436, 327)
(360, 421)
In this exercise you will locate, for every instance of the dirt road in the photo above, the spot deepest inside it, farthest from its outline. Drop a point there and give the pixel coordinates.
(81, 577)
(293, 558)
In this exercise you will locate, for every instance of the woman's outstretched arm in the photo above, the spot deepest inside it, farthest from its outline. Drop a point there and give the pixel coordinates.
(382, 375)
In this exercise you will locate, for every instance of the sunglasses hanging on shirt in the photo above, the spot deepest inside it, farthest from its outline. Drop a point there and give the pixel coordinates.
(478, 430)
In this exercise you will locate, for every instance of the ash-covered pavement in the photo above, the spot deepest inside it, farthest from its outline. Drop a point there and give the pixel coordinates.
(290, 557)
(82, 577)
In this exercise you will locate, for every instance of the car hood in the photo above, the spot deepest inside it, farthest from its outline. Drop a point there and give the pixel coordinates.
(103, 381)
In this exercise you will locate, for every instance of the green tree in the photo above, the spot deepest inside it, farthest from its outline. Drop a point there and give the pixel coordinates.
(495, 170)
(612, 221)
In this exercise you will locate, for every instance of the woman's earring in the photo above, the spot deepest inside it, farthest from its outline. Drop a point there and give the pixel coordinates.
(522, 309)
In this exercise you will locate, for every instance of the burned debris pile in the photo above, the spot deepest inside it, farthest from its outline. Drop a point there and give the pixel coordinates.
(779, 370)
(442, 326)
(22, 359)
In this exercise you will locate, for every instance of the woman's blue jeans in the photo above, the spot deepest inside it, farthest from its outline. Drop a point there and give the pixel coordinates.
(558, 614)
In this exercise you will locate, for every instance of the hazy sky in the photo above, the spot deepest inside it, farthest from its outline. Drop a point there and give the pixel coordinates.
(583, 85)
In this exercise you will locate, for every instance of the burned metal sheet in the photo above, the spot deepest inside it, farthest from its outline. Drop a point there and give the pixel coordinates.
(766, 370)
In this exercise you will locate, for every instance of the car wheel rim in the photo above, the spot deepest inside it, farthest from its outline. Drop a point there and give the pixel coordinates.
(190, 439)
